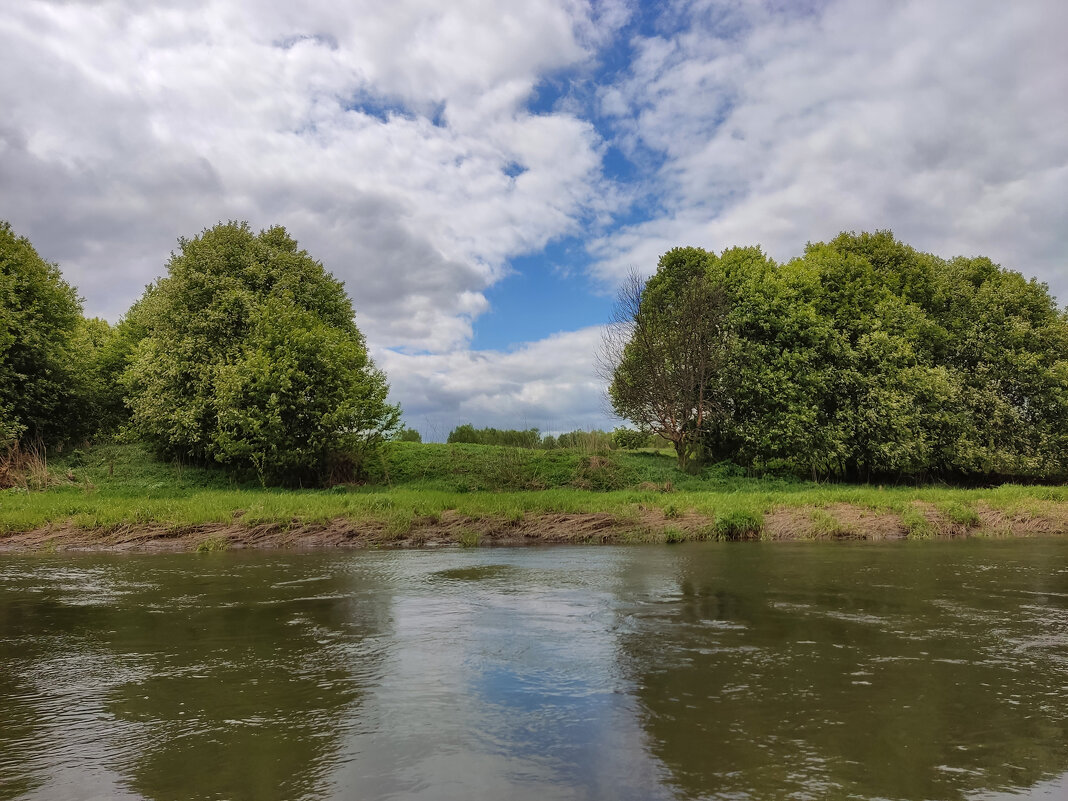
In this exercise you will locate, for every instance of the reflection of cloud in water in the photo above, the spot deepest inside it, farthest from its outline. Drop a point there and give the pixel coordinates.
(690, 672)
(69, 682)
(503, 683)
(185, 685)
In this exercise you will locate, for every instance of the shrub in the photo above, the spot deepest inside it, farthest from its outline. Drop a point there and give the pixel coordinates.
(39, 314)
(467, 433)
(629, 439)
(738, 525)
(251, 358)
(408, 435)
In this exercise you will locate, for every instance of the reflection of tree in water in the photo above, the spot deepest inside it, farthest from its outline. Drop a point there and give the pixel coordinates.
(794, 672)
(239, 676)
(21, 723)
(250, 684)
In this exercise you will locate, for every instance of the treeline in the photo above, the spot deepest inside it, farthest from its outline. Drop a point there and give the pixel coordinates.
(244, 354)
(863, 358)
(590, 441)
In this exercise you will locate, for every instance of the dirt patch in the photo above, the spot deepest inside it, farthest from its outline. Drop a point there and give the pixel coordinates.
(836, 522)
(448, 528)
(1040, 518)
(920, 519)
(652, 524)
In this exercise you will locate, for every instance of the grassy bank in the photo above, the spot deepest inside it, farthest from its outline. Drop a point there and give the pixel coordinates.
(470, 494)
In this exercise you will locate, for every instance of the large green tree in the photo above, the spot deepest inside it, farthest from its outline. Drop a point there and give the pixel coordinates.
(39, 318)
(249, 355)
(862, 358)
(668, 351)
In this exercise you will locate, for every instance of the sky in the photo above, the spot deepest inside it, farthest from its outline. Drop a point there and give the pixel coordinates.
(481, 175)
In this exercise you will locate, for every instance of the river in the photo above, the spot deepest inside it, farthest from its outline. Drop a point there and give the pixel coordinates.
(929, 670)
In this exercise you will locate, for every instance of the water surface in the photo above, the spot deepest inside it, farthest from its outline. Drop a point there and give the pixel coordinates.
(933, 670)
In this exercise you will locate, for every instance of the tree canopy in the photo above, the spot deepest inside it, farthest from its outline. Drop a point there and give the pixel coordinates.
(39, 318)
(515, 438)
(249, 356)
(861, 358)
(668, 351)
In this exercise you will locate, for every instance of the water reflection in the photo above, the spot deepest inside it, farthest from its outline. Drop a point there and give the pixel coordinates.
(903, 673)
(711, 671)
(160, 678)
(501, 685)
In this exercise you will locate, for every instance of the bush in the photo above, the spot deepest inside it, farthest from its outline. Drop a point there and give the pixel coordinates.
(738, 525)
(251, 358)
(468, 434)
(39, 314)
(408, 435)
(631, 440)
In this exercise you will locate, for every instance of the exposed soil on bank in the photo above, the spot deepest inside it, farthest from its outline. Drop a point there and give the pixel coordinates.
(844, 521)
(833, 522)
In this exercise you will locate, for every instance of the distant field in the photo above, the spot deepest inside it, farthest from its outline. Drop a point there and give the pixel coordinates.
(424, 494)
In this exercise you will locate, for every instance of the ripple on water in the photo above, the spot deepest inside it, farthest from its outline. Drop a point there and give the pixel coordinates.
(638, 673)
(473, 573)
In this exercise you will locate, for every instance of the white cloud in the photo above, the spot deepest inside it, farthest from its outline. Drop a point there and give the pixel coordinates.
(550, 384)
(384, 137)
(378, 134)
(943, 121)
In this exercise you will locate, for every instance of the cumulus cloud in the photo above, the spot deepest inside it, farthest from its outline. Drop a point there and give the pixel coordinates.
(550, 384)
(380, 135)
(943, 121)
(397, 143)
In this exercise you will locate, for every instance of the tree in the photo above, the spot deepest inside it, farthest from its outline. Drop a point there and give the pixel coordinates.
(863, 358)
(39, 315)
(666, 352)
(509, 437)
(94, 346)
(629, 439)
(1007, 347)
(250, 357)
(406, 434)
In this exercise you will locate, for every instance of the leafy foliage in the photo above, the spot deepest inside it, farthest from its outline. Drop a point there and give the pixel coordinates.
(467, 433)
(668, 350)
(631, 440)
(406, 434)
(593, 441)
(862, 358)
(39, 317)
(249, 356)
(96, 348)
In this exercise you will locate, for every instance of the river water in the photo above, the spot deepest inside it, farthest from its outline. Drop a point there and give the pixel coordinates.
(934, 670)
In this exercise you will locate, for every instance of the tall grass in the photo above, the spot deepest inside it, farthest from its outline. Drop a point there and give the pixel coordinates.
(25, 467)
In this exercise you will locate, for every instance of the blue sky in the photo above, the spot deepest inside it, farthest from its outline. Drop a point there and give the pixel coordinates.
(482, 175)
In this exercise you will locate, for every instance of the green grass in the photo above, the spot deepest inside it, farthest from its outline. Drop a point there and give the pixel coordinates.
(211, 544)
(469, 538)
(824, 525)
(961, 513)
(916, 523)
(413, 483)
(739, 524)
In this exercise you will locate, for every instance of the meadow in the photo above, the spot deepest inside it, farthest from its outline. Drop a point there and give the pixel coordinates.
(432, 494)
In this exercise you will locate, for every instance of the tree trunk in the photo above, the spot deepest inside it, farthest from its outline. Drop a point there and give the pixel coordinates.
(682, 451)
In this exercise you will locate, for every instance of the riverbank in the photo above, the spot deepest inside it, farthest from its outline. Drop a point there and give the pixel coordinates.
(451, 528)
(119, 498)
